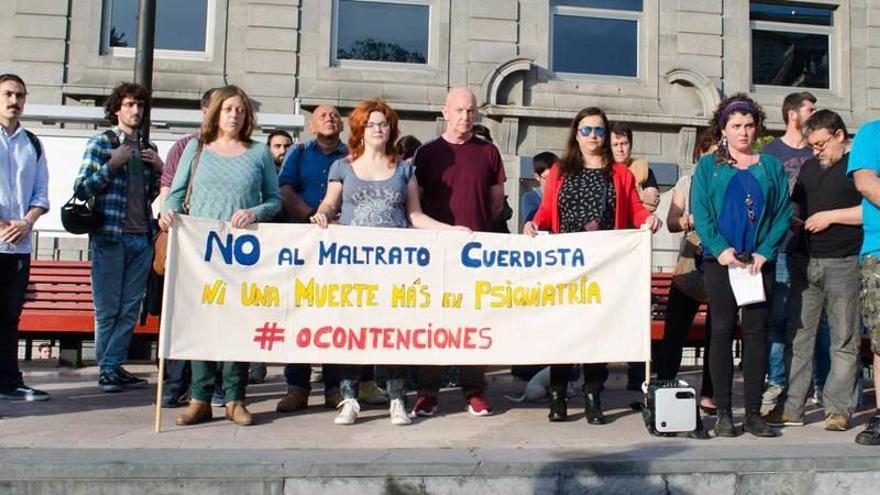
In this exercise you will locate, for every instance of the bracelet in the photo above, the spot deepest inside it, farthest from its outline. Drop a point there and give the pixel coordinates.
(29, 223)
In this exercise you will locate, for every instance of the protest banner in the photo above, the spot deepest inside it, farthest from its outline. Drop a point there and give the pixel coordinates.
(296, 293)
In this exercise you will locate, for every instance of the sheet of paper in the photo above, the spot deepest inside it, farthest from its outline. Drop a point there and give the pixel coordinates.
(747, 288)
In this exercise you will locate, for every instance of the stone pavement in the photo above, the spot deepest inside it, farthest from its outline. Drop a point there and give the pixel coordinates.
(86, 441)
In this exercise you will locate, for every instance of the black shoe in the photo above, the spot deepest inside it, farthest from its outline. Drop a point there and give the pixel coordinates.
(699, 432)
(756, 425)
(110, 381)
(25, 393)
(175, 400)
(129, 380)
(871, 434)
(558, 406)
(724, 424)
(593, 408)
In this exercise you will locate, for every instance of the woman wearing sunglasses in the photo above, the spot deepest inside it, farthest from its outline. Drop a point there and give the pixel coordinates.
(587, 191)
(742, 211)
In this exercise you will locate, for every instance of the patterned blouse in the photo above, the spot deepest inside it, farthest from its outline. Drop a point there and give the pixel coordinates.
(580, 202)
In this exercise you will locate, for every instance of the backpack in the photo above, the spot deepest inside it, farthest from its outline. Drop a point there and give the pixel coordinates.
(35, 142)
(114, 139)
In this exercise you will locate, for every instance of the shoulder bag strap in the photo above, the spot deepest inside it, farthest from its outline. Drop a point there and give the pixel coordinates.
(192, 174)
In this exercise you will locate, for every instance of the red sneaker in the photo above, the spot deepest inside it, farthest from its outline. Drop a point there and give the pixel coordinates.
(478, 406)
(426, 405)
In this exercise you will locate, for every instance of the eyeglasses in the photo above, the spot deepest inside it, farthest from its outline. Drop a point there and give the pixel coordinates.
(820, 146)
(378, 125)
(587, 130)
(544, 175)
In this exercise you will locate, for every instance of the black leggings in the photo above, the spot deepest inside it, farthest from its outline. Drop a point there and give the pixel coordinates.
(723, 309)
(680, 313)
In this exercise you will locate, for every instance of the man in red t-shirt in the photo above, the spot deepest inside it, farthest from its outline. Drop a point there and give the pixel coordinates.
(461, 182)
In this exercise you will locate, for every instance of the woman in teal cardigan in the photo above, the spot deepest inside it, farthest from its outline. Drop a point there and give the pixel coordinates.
(233, 179)
(742, 211)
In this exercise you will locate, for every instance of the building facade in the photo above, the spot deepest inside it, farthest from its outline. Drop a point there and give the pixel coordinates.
(661, 65)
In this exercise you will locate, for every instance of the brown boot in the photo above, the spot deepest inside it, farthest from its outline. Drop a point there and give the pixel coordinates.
(198, 411)
(238, 414)
(292, 402)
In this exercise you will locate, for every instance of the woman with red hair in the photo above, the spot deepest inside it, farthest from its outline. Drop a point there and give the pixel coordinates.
(373, 188)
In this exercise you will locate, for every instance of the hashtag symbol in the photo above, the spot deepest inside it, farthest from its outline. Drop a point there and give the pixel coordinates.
(267, 335)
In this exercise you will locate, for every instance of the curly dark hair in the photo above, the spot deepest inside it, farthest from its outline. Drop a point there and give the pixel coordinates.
(572, 160)
(120, 92)
(739, 103)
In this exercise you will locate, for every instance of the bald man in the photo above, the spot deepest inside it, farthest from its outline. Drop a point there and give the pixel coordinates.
(461, 179)
(303, 183)
(303, 176)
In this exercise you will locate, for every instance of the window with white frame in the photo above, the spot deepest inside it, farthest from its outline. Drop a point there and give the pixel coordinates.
(791, 44)
(387, 31)
(183, 28)
(595, 37)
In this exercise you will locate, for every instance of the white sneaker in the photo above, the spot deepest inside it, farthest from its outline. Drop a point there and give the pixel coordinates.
(349, 409)
(398, 413)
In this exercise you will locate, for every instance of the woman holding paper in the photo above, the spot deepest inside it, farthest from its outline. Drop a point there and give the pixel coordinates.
(223, 175)
(587, 191)
(372, 187)
(741, 210)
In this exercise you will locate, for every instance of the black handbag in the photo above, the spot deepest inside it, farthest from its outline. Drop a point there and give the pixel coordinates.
(80, 217)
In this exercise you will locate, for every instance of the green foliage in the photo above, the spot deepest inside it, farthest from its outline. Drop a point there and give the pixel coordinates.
(760, 142)
(371, 49)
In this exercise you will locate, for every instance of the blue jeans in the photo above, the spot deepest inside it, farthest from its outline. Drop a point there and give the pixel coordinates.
(777, 323)
(119, 279)
(822, 355)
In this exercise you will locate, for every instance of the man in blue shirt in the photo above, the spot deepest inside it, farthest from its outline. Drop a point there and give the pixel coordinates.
(864, 167)
(303, 183)
(303, 176)
(24, 178)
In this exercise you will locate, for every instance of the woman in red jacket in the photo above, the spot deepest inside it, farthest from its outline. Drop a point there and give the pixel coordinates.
(587, 191)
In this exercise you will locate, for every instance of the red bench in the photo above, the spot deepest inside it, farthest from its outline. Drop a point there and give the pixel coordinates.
(660, 285)
(58, 305)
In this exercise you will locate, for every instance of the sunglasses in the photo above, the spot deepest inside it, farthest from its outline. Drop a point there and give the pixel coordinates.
(587, 130)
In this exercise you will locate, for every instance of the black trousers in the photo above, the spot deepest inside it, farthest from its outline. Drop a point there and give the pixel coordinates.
(680, 313)
(595, 375)
(14, 273)
(723, 310)
(430, 379)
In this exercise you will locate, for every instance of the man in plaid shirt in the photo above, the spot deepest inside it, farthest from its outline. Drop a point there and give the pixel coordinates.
(121, 173)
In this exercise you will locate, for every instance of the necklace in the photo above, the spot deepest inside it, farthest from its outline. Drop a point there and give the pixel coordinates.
(749, 202)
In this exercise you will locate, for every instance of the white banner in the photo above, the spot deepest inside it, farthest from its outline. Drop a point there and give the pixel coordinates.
(295, 293)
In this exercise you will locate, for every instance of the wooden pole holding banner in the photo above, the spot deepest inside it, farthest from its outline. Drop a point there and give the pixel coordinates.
(167, 300)
(648, 361)
(159, 386)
